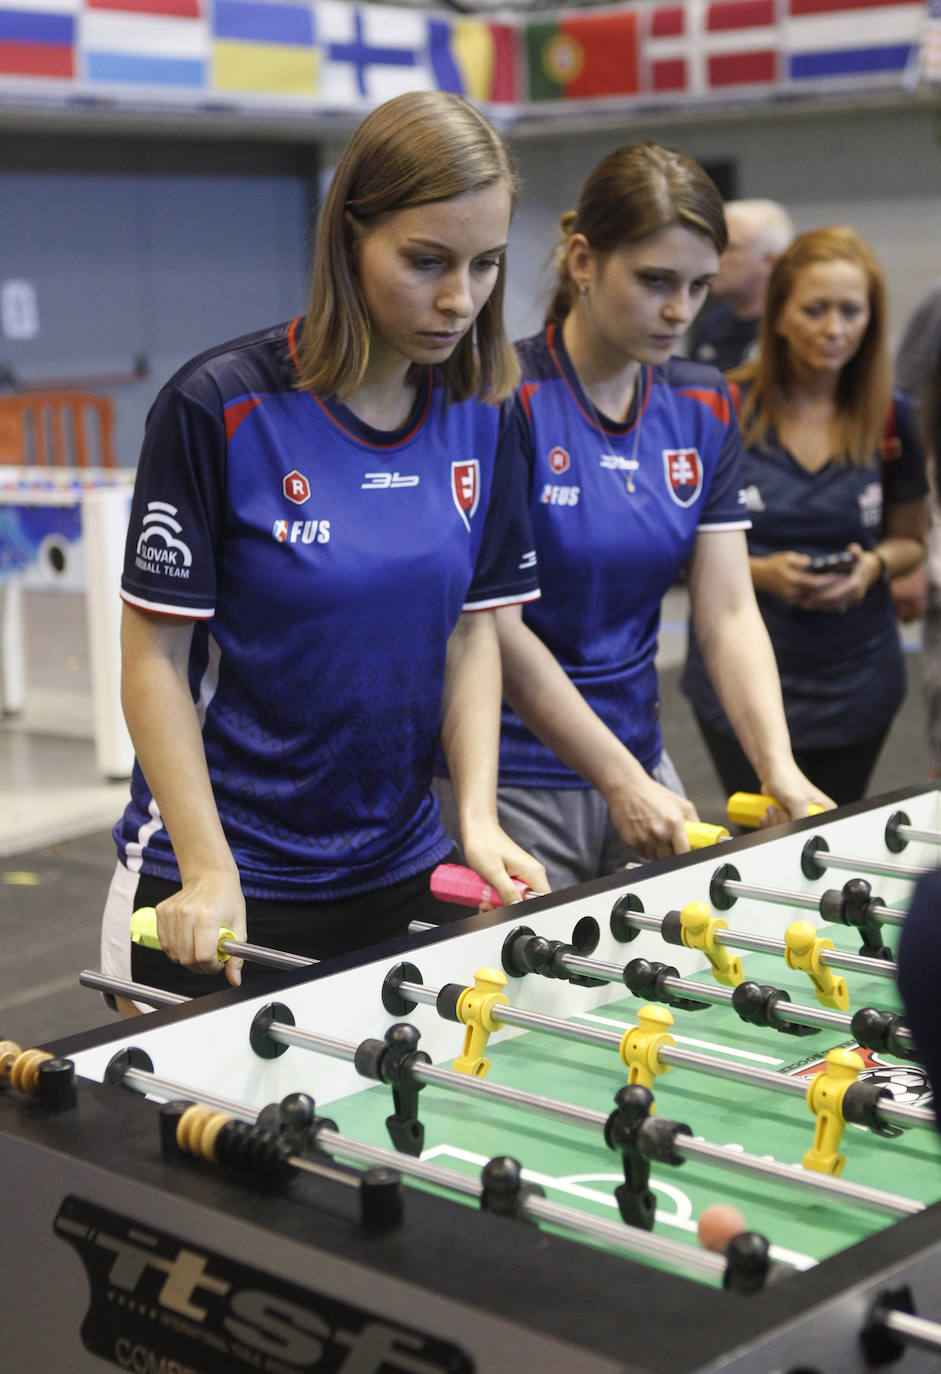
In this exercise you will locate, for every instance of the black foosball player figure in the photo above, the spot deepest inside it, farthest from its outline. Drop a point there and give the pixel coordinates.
(919, 971)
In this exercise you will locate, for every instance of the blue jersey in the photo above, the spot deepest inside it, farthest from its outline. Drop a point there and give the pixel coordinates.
(842, 676)
(324, 564)
(615, 513)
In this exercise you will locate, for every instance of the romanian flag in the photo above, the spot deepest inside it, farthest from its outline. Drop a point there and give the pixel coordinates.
(583, 56)
(263, 46)
(38, 39)
(162, 43)
(475, 58)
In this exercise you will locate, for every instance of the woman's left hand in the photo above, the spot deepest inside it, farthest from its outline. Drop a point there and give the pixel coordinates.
(837, 592)
(794, 793)
(491, 853)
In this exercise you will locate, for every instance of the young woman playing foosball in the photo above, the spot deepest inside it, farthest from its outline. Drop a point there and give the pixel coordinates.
(324, 521)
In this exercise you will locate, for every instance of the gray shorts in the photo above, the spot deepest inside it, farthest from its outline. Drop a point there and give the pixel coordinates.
(568, 829)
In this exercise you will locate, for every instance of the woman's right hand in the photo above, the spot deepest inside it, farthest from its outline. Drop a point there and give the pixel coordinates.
(784, 575)
(188, 923)
(651, 818)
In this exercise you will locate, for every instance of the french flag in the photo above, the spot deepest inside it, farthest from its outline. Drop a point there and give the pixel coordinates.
(711, 45)
(826, 39)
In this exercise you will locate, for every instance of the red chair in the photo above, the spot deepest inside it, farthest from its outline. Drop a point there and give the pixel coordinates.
(62, 429)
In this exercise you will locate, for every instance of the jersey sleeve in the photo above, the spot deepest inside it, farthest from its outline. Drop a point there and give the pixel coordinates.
(725, 503)
(904, 477)
(177, 508)
(506, 573)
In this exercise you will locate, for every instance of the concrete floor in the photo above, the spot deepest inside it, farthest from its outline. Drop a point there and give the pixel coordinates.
(56, 853)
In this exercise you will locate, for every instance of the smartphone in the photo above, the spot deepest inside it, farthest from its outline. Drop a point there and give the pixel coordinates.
(842, 562)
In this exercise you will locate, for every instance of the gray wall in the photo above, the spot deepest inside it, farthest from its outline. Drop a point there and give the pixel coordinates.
(878, 169)
(163, 253)
(162, 247)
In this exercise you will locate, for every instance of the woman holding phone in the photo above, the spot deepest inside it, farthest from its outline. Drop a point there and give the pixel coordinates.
(835, 487)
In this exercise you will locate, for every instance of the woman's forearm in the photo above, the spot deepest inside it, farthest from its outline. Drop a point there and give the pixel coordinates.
(470, 714)
(164, 729)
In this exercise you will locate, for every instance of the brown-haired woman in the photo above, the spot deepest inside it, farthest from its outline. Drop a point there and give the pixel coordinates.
(836, 484)
(635, 471)
(317, 506)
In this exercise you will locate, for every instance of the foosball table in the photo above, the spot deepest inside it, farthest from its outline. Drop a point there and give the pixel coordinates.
(490, 1146)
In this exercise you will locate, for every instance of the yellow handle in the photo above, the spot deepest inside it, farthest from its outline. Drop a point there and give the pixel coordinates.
(701, 833)
(748, 808)
(144, 932)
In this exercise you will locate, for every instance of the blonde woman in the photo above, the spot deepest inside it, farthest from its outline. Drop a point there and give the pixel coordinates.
(836, 486)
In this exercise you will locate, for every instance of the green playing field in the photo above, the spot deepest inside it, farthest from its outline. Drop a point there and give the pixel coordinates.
(573, 1164)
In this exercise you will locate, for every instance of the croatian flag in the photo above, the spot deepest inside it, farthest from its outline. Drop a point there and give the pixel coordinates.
(711, 45)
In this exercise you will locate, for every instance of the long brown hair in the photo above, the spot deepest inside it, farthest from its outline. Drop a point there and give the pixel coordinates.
(864, 384)
(418, 148)
(635, 191)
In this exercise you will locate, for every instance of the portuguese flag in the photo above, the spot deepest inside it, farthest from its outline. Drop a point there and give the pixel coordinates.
(583, 56)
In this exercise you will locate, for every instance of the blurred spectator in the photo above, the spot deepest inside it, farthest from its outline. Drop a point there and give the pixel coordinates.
(759, 232)
(825, 481)
(919, 594)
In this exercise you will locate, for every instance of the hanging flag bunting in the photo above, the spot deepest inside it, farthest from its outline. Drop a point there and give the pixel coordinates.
(826, 39)
(38, 39)
(161, 43)
(581, 56)
(370, 53)
(263, 46)
(474, 58)
(339, 55)
(929, 61)
(697, 48)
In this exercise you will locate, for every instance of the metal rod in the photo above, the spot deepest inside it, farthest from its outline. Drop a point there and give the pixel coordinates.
(738, 1161)
(857, 865)
(918, 1330)
(788, 1011)
(889, 915)
(596, 1121)
(770, 894)
(627, 1239)
(799, 1177)
(527, 1020)
(875, 968)
(740, 939)
(911, 832)
(672, 1055)
(259, 954)
(123, 987)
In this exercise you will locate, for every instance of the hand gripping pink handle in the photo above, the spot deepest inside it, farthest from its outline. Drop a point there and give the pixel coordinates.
(453, 883)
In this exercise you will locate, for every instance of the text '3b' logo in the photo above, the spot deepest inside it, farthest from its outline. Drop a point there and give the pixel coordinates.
(465, 488)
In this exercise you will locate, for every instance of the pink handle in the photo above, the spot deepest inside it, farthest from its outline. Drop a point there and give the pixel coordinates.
(453, 883)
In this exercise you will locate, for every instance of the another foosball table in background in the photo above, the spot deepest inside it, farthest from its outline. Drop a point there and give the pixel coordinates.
(565, 1087)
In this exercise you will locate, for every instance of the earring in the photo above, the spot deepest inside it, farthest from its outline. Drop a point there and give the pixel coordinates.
(583, 290)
